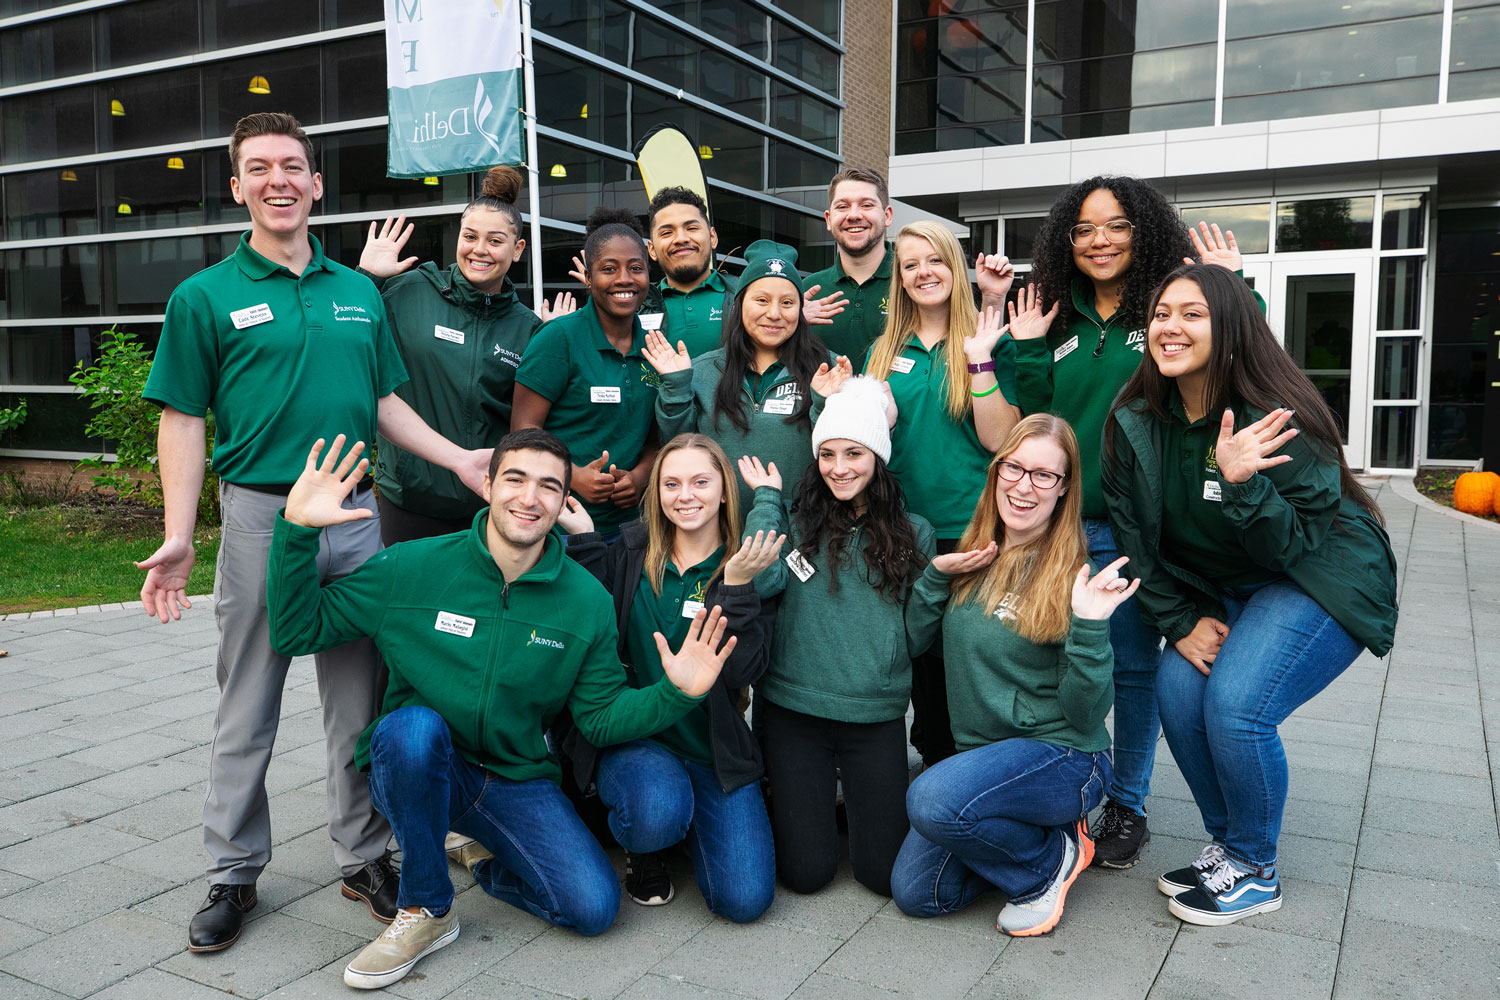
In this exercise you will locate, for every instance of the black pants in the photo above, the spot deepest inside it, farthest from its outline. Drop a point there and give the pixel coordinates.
(931, 732)
(398, 524)
(801, 752)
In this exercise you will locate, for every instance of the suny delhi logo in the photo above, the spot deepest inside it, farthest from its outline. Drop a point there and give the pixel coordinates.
(453, 122)
(537, 640)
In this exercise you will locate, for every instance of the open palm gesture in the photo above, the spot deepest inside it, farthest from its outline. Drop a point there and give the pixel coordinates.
(695, 667)
(661, 356)
(820, 311)
(756, 475)
(1215, 247)
(960, 563)
(1027, 321)
(753, 555)
(826, 381)
(981, 347)
(1097, 597)
(317, 497)
(1242, 455)
(382, 253)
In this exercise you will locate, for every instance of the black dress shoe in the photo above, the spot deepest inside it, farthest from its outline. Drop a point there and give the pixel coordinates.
(217, 923)
(376, 885)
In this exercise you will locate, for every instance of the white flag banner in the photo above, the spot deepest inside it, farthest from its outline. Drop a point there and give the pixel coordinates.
(453, 77)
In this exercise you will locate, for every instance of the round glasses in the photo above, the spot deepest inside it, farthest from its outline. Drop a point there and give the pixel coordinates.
(1042, 479)
(1116, 231)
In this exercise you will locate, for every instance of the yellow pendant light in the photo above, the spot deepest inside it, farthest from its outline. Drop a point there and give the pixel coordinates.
(174, 163)
(431, 181)
(558, 170)
(259, 85)
(117, 109)
(69, 176)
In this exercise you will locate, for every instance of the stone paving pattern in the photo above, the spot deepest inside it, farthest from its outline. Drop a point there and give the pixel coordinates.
(1389, 858)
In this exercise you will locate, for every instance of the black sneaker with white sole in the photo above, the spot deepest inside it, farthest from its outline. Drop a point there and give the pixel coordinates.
(647, 879)
(1119, 836)
(1180, 880)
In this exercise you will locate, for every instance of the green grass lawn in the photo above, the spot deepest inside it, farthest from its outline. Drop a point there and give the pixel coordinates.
(83, 552)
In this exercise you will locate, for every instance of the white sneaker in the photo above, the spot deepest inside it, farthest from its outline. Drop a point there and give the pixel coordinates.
(410, 938)
(1041, 914)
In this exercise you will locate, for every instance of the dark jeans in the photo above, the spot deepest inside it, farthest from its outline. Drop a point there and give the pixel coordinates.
(546, 862)
(801, 753)
(931, 730)
(397, 524)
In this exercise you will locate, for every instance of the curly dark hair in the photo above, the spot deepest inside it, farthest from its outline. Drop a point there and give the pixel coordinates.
(1159, 244)
(607, 222)
(892, 560)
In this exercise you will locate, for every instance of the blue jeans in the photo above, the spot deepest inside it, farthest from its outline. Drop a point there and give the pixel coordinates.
(993, 816)
(546, 862)
(656, 798)
(1282, 649)
(1137, 650)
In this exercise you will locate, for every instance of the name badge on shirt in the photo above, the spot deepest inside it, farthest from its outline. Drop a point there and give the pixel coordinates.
(1212, 490)
(690, 609)
(903, 365)
(453, 624)
(1065, 350)
(449, 334)
(784, 405)
(650, 321)
(604, 394)
(252, 316)
(800, 566)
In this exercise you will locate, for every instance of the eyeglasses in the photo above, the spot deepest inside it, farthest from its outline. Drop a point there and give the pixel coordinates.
(1042, 479)
(1116, 231)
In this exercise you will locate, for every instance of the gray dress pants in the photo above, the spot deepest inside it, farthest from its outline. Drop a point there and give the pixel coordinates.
(351, 682)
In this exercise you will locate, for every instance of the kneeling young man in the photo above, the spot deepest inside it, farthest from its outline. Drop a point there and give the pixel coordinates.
(488, 634)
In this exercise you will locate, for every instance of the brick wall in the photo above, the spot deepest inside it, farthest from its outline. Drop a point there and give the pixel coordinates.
(867, 83)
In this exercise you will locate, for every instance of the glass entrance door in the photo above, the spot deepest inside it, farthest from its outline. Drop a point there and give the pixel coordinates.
(1321, 311)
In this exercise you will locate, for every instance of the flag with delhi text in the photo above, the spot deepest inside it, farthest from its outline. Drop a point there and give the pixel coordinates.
(453, 72)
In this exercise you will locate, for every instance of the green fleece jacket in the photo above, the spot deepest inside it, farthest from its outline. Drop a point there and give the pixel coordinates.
(685, 404)
(461, 348)
(1292, 518)
(497, 660)
(1001, 686)
(840, 654)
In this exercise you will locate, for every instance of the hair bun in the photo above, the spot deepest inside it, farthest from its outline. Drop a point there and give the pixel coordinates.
(502, 184)
(612, 215)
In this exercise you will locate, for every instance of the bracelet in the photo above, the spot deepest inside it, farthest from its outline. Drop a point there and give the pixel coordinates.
(987, 366)
(980, 395)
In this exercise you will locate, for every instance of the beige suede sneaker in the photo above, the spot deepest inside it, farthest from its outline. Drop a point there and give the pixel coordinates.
(410, 938)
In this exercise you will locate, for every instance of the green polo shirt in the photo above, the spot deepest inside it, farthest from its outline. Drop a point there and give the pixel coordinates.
(601, 399)
(671, 613)
(281, 359)
(940, 462)
(1198, 535)
(863, 318)
(696, 317)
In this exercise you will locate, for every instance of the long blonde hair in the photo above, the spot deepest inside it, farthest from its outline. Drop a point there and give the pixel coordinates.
(902, 317)
(661, 532)
(1039, 573)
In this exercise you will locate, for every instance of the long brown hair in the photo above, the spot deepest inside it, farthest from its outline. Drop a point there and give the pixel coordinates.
(902, 317)
(1041, 572)
(661, 532)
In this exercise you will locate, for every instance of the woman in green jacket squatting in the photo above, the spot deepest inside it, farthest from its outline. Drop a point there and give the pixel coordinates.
(1269, 576)
(699, 778)
(759, 393)
(1030, 681)
(461, 331)
(1103, 249)
(584, 376)
(950, 369)
(823, 708)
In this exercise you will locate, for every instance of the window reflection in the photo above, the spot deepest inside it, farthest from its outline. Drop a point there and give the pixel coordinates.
(1246, 18)
(51, 281)
(1251, 224)
(292, 79)
(239, 22)
(148, 110)
(47, 50)
(53, 123)
(1404, 226)
(159, 191)
(1325, 224)
(131, 33)
(809, 61)
(55, 202)
(1474, 55)
(1391, 434)
(1396, 367)
(1400, 293)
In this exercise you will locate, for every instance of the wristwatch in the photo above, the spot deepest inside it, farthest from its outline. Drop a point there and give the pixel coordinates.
(987, 366)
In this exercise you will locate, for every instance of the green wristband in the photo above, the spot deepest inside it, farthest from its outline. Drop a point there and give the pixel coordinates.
(980, 395)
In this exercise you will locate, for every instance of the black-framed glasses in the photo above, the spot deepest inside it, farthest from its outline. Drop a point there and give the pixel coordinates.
(1116, 231)
(1042, 479)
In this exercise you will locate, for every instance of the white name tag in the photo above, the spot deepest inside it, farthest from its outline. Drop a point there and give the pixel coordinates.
(781, 404)
(449, 334)
(1065, 350)
(650, 321)
(1212, 491)
(604, 394)
(253, 316)
(453, 624)
(690, 609)
(800, 565)
(903, 365)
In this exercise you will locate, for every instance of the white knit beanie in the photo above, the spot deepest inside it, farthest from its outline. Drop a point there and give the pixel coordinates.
(856, 413)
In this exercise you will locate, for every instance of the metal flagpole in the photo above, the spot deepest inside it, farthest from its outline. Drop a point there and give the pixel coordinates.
(534, 176)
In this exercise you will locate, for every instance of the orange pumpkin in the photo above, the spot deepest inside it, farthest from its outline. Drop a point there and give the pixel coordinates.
(1474, 493)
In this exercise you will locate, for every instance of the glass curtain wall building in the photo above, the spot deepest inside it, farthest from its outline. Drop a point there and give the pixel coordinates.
(114, 118)
(1354, 149)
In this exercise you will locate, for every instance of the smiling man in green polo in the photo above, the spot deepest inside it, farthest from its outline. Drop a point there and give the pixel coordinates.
(282, 344)
(688, 303)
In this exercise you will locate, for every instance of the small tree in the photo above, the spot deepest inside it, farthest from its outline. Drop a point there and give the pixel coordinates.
(12, 417)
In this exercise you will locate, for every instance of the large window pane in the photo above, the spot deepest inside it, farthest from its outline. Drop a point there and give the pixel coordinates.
(47, 50)
(149, 110)
(50, 124)
(605, 29)
(797, 113)
(737, 152)
(1325, 224)
(674, 59)
(1246, 18)
(351, 70)
(133, 33)
(54, 422)
(1391, 435)
(158, 192)
(734, 21)
(1474, 53)
(51, 281)
(44, 355)
(290, 79)
(354, 179)
(147, 271)
(56, 202)
(239, 22)
(820, 15)
(342, 13)
(1396, 367)
(809, 61)
(1404, 226)
(1073, 29)
(1400, 293)
(583, 100)
(1250, 224)
(1373, 65)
